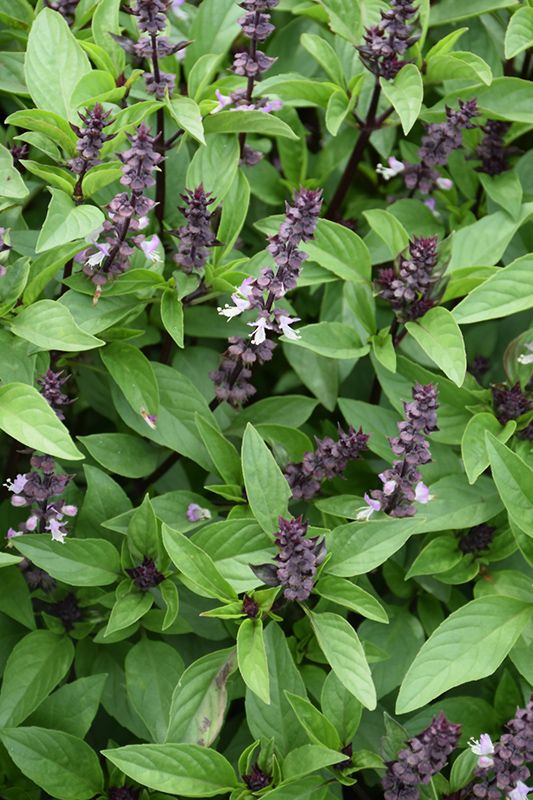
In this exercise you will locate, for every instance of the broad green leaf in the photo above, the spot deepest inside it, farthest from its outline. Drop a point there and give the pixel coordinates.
(153, 669)
(453, 10)
(469, 645)
(185, 769)
(405, 93)
(79, 562)
(344, 652)
(48, 123)
(71, 708)
(317, 726)
(389, 229)
(347, 594)
(214, 165)
(330, 339)
(105, 22)
(458, 65)
(128, 608)
(339, 250)
(122, 454)
(311, 787)
(52, 176)
(16, 13)
(473, 447)
(252, 660)
(63, 765)
(51, 81)
(519, 33)
(319, 374)
(13, 283)
(15, 598)
(514, 480)
(440, 555)
(359, 547)
(277, 720)
(309, 758)
(508, 291)
(200, 695)
(440, 337)
(11, 184)
(7, 560)
(196, 565)
(340, 707)
(296, 91)
(49, 325)
(187, 115)
(103, 499)
(27, 417)
(34, 667)
(266, 488)
(234, 212)
(172, 315)
(337, 111)
(344, 18)
(326, 56)
(134, 375)
(65, 221)
(213, 30)
(248, 122)
(222, 452)
(505, 189)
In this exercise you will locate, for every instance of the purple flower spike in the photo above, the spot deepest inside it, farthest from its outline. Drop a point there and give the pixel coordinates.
(51, 385)
(146, 575)
(91, 139)
(385, 42)
(409, 289)
(196, 236)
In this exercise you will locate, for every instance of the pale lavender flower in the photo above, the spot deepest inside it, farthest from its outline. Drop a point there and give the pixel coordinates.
(223, 101)
(196, 513)
(150, 419)
(484, 749)
(149, 248)
(526, 359)
(520, 792)
(395, 168)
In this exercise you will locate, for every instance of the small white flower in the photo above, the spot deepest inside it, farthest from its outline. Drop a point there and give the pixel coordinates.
(70, 511)
(16, 486)
(31, 522)
(56, 529)
(526, 359)
(223, 101)
(96, 259)
(422, 494)
(241, 299)
(389, 487)
(520, 792)
(285, 323)
(394, 168)
(143, 223)
(195, 513)
(149, 248)
(445, 184)
(366, 512)
(484, 749)
(260, 325)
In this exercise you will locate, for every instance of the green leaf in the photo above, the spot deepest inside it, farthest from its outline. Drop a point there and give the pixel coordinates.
(248, 122)
(514, 480)
(134, 375)
(252, 660)
(473, 447)
(172, 315)
(196, 565)
(152, 671)
(71, 708)
(359, 547)
(453, 10)
(344, 18)
(35, 666)
(122, 453)
(215, 165)
(337, 111)
(469, 645)
(201, 694)
(15, 598)
(344, 652)
(222, 452)
(185, 769)
(266, 488)
(7, 560)
(65, 221)
(128, 608)
(79, 562)
(339, 250)
(317, 726)
(458, 66)
(13, 283)
(297, 91)
(52, 176)
(508, 291)
(48, 123)
(440, 337)
(27, 417)
(105, 22)
(347, 594)
(49, 325)
(340, 707)
(187, 116)
(505, 189)
(16, 13)
(309, 758)
(440, 555)
(519, 33)
(326, 56)
(277, 721)
(234, 212)
(405, 93)
(51, 81)
(11, 184)
(63, 765)
(329, 339)
(388, 228)
(213, 30)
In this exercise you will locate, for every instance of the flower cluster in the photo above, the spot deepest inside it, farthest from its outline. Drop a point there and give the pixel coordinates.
(477, 539)
(36, 491)
(439, 141)
(256, 26)
(91, 139)
(409, 290)
(297, 560)
(329, 460)
(126, 214)
(36, 578)
(67, 8)
(512, 403)
(402, 483)
(502, 767)
(424, 756)
(479, 367)
(259, 294)
(492, 151)
(51, 385)
(256, 779)
(67, 610)
(385, 42)
(123, 793)
(196, 236)
(146, 575)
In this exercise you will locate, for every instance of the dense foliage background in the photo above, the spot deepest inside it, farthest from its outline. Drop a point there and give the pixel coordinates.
(266, 399)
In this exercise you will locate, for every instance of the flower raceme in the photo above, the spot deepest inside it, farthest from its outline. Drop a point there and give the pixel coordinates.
(409, 290)
(196, 236)
(385, 42)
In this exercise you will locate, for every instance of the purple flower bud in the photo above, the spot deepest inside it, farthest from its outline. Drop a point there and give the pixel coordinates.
(492, 151)
(256, 778)
(67, 610)
(509, 403)
(196, 236)
(140, 160)
(409, 290)
(151, 15)
(67, 8)
(250, 607)
(90, 139)
(146, 575)
(123, 792)
(51, 385)
(159, 87)
(250, 65)
(477, 539)
(389, 39)
(298, 558)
